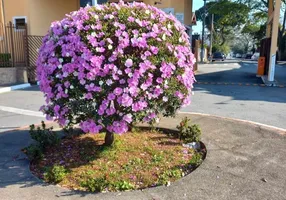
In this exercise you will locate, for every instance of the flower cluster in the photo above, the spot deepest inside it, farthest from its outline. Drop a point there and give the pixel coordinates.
(114, 65)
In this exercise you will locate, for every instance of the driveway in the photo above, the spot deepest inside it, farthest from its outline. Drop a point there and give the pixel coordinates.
(244, 161)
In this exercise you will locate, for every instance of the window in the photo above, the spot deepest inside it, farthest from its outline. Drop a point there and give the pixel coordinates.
(84, 3)
(20, 22)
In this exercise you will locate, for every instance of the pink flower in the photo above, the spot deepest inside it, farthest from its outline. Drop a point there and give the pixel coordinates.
(88, 96)
(127, 118)
(131, 19)
(159, 80)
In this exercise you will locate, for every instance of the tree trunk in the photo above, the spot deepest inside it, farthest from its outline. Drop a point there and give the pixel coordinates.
(109, 138)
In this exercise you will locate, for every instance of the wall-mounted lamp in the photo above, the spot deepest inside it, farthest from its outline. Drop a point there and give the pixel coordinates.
(157, 2)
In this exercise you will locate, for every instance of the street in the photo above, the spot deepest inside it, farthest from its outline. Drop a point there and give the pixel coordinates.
(231, 89)
(227, 89)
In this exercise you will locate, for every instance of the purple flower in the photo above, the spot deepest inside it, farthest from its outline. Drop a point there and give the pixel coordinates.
(109, 82)
(110, 111)
(126, 100)
(138, 106)
(111, 96)
(158, 91)
(88, 96)
(118, 91)
(122, 81)
(133, 91)
(90, 126)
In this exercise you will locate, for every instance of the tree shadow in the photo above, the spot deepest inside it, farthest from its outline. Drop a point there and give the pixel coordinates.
(239, 82)
(15, 167)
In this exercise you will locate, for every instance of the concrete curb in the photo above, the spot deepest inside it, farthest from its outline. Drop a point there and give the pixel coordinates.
(244, 161)
(14, 87)
(280, 130)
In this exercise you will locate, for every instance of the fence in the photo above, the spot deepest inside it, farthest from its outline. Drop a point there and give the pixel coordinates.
(33, 44)
(12, 45)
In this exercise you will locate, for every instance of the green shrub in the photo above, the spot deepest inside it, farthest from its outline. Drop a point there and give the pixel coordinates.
(95, 184)
(189, 133)
(34, 152)
(5, 60)
(196, 159)
(45, 137)
(172, 173)
(123, 186)
(157, 158)
(55, 174)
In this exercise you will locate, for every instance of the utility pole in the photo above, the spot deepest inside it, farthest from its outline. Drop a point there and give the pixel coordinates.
(203, 32)
(212, 27)
(274, 19)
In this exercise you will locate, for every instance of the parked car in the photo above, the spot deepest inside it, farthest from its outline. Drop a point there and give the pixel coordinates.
(238, 55)
(248, 56)
(218, 56)
(255, 56)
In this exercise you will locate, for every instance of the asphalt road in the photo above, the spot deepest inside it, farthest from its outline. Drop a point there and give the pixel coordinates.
(230, 98)
(232, 89)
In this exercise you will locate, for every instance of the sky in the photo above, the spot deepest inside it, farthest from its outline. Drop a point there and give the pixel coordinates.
(196, 5)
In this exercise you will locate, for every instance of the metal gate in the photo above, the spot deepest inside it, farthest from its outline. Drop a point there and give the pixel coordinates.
(33, 44)
(12, 45)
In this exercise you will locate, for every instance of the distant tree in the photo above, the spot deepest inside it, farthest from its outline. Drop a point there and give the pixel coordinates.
(228, 17)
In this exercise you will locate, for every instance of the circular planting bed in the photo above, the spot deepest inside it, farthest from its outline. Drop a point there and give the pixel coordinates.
(137, 160)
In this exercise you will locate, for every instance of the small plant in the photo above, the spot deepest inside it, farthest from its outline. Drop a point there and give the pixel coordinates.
(123, 186)
(189, 133)
(34, 152)
(44, 136)
(196, 159)
(164, 178)
(94, 184)
(157, 158)
(55, 174)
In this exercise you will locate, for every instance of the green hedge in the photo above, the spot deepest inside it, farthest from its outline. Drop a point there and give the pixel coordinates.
(5, 60)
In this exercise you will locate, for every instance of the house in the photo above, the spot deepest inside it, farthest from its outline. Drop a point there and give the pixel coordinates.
(38, 14)
(23, 23)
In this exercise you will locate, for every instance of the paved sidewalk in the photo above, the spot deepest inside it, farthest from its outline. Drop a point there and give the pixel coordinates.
(244, 161)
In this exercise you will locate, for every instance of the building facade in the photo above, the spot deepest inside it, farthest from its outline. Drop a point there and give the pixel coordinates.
(38, 14)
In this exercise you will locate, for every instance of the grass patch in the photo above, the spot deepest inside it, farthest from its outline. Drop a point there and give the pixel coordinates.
(136, 160)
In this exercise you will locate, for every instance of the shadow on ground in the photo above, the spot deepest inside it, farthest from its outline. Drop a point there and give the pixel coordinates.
(238, 81)
(228, 73)
(14, 166)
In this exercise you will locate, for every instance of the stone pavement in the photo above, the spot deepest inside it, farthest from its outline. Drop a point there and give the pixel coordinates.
(244, 161)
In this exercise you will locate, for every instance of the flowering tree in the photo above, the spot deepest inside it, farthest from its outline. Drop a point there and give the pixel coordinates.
(110, 66)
